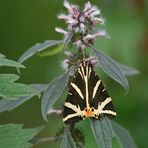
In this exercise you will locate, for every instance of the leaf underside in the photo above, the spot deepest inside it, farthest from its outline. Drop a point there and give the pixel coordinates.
(111, 68)
(67, 140)
(37, 48)
(52, 93)
(103, 132)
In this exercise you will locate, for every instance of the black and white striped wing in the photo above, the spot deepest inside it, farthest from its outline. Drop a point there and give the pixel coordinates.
(87, 96)
(75, 102)
(99, 98)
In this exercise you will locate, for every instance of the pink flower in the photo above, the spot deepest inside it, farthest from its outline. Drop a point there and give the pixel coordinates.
(67, 5)
(92, 37)
(87, 6)
(60, 30)
(72, 9)
(65, 64)
(81, 24)
(78, 20)
(90, 11)
(75, 11)
(79, 44)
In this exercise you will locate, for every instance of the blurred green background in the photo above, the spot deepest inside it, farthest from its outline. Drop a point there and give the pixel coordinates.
(26, 22)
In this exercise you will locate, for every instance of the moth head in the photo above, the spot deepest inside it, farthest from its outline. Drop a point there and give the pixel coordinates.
(90, 112)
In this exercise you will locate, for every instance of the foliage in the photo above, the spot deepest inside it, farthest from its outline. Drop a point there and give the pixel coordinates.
(10, 63)
(103, 132)
(67, 141)
(112, 68)
(11, 90)
(9, 105)
(37, 48)
(14, 136)
(12, 95)
(51, 94)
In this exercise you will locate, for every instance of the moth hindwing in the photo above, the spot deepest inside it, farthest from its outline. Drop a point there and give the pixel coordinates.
(87, 96)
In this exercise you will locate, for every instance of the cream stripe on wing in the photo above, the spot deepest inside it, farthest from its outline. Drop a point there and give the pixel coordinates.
(86, 84)
(79, 71)
(101, 107)
(86, 88)
(103, 90)
(70, 93)
(109, 112)
(104, 103)
(77, 90)
(70, 116)
(74, 108)
(89, 71)
(96, 88)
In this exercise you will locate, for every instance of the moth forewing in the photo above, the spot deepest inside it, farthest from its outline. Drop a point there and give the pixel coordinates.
(87, 96)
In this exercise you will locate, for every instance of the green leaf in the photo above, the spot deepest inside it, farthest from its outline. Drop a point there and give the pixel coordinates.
(128, 70)
(52, 93)
(14, 136)
(10, 63)
(123, 136)
(111, 68)
(67, 141)
(1, 55)
(103, 132)
(51, 52)
(15, 90)
(6, 104)
(8, 78)
(37, 48)
(39, 87)
(11, 90)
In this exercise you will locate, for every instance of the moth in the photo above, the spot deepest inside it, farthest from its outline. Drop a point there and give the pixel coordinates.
(87, 97)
